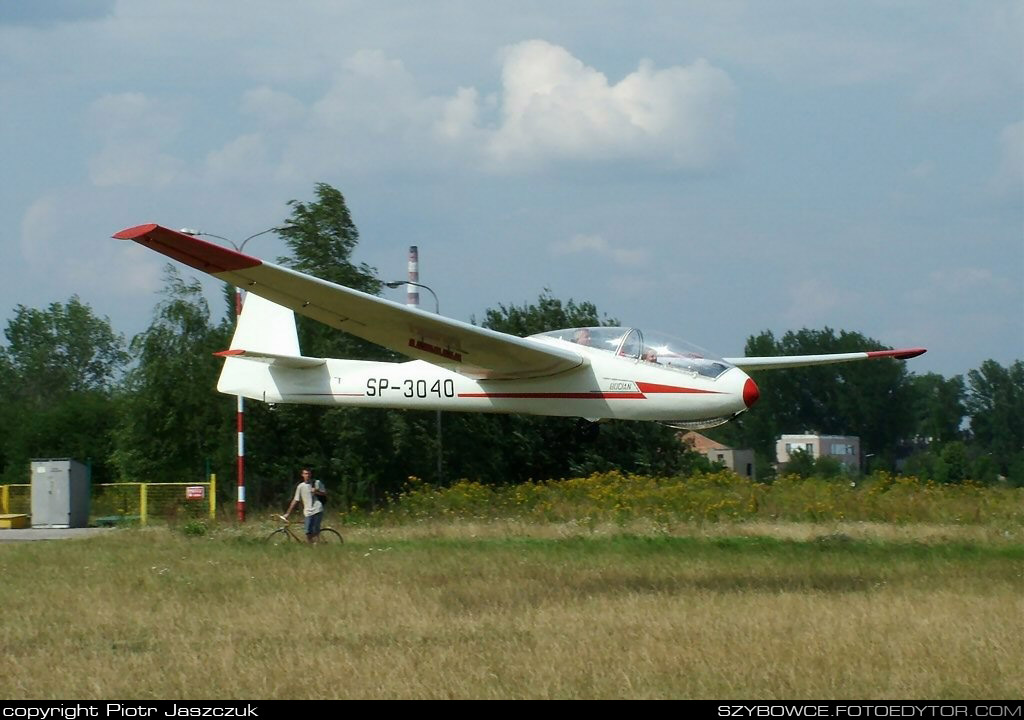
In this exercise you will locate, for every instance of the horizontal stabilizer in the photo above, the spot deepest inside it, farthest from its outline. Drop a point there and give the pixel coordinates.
(292, 361)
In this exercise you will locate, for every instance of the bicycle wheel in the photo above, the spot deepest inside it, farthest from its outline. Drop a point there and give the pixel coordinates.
(330, 536)
(279, 537)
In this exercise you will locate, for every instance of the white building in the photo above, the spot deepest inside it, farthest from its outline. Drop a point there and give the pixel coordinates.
(844, 448)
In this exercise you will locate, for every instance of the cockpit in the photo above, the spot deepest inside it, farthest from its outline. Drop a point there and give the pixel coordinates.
(653, 347)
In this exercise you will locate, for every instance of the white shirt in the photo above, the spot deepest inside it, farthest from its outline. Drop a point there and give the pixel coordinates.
(304, 492)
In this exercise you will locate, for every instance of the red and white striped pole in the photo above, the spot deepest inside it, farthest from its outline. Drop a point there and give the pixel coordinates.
(241, 429)
(241, 400)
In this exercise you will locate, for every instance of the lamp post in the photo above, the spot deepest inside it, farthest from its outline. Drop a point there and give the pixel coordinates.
(240, 504)
(437, 311)
(399, 283)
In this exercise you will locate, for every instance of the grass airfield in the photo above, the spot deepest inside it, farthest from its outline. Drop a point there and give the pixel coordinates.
(520, 609)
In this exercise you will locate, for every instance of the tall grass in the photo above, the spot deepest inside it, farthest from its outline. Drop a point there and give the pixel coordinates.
(710, 497)
(541, 612)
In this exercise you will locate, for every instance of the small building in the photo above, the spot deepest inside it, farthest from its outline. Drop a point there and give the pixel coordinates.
(740, 462)
(61, 490)
(844, 448)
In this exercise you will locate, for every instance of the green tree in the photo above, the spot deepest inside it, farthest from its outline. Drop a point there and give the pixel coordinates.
(801, 463)
(57, 374)
(869, 399)
(938, 407)
(360, 453)
(63, 349)
(173, 421)
(322, 237)
(549, 313)
(995, 404)
(953, 465)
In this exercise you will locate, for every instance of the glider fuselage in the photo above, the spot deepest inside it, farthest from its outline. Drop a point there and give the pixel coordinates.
(604, 388)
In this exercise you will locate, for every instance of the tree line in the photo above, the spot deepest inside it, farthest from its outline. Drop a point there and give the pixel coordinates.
(146, 409)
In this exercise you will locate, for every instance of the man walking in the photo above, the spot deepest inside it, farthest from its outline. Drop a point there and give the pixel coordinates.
(312, 507)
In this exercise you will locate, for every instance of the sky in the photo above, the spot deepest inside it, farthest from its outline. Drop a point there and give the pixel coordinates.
(710, 170)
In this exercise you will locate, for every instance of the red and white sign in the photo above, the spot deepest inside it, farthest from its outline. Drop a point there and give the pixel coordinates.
(195, 492)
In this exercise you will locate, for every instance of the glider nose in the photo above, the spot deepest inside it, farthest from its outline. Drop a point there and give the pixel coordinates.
(750, 392)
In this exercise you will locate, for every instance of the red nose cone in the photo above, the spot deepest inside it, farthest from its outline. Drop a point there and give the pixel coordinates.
(750, 392)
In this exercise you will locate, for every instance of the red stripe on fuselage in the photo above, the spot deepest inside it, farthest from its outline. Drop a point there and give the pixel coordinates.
(644, 388)
(559, 396)
(656, 388)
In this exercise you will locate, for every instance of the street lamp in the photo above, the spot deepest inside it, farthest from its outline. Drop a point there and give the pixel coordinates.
(240, 505)
(437, 310)
(399, 283)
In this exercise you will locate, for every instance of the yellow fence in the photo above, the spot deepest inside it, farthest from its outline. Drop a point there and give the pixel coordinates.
(130, 501)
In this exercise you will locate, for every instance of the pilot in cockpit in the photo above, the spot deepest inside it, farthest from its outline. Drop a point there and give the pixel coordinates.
(650, 355)
(582, 336)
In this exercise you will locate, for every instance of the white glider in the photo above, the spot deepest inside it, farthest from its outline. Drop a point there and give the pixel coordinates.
(595, 373)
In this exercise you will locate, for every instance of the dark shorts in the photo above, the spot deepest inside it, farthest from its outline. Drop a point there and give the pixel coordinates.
(313, 523)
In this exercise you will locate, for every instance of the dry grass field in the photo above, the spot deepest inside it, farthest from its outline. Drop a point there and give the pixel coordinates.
(511, 609)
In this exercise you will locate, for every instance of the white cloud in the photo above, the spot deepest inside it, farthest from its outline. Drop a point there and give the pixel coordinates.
(373, 117)
(39, 226)
(272, 108)
(967, 281)
(945, 56)
(597, 246)
(460, 115)
(54, 245)
(134, 130)
(554, 108)
(633, 286)
(1009, 178)
(131, 163)
(923, 171)
(815, 301)
(551, 109)
(244, 158)
(374, 94)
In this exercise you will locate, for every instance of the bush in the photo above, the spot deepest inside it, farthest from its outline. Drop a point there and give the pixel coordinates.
(194, 528)
(707, 497)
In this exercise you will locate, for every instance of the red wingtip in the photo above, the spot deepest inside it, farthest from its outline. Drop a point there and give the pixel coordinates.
(898, 354)
(912, 353)
(135, 232)
(188, 249)
(229, 353)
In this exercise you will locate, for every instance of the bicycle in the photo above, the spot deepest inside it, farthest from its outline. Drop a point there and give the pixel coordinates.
(285, 535)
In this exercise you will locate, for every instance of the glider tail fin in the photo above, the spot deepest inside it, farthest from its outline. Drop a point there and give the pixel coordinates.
(265, 336)
(265, 327)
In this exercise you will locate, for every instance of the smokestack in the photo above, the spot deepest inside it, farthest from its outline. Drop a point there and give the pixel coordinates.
(412, 299)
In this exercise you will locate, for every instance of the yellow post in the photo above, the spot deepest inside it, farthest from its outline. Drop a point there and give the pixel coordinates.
(142, 503)
(213, 496)
(5, 498)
